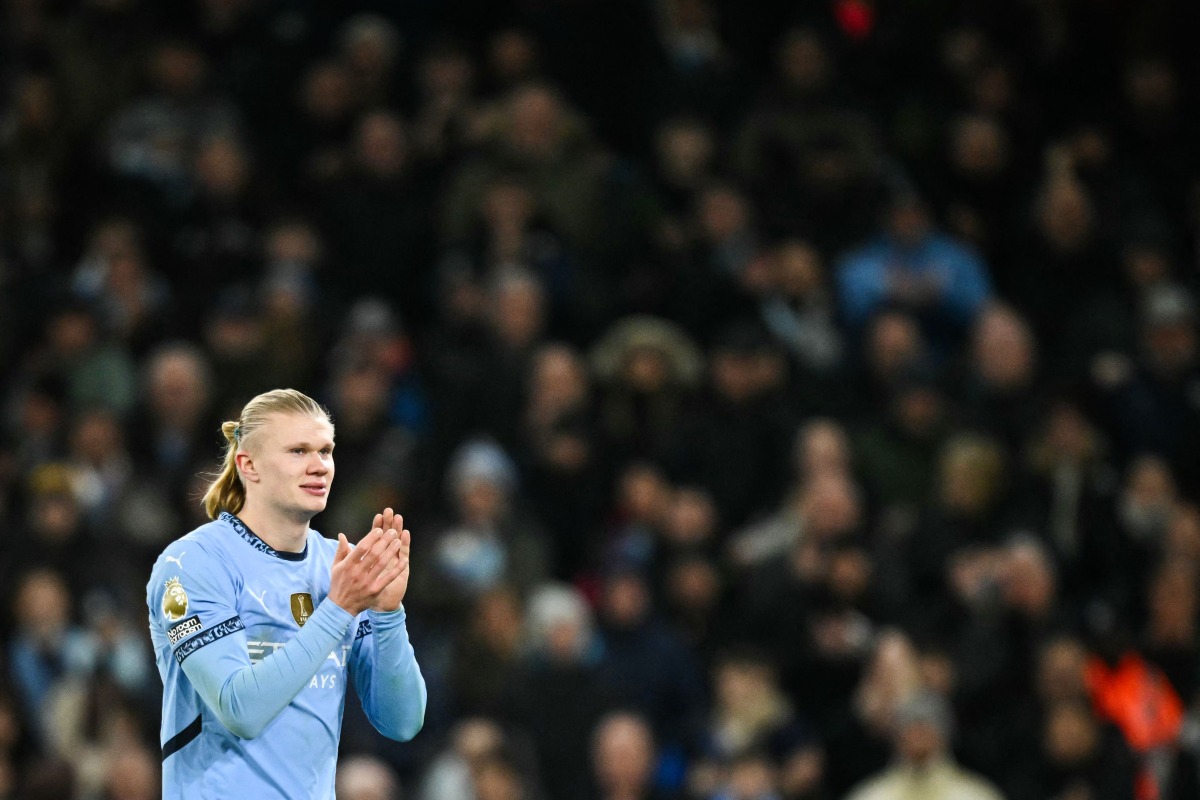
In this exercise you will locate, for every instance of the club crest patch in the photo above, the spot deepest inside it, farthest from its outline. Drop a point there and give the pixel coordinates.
(175, 601)
(302, 607)
(177, 633)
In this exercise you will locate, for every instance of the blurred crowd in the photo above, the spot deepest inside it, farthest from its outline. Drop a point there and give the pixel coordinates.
(789, 401)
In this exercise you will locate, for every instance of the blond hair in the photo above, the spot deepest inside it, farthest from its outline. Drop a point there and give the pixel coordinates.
(226, 492)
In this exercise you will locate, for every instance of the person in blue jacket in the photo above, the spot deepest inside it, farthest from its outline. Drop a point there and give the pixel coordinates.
(913, 266)
(258, 621)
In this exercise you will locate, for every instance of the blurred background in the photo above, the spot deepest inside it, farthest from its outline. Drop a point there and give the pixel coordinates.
(788, 400)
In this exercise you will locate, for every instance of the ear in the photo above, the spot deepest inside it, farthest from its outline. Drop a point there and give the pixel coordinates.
(245, 467)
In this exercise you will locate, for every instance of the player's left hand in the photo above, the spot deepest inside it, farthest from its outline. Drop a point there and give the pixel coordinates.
(393, 594)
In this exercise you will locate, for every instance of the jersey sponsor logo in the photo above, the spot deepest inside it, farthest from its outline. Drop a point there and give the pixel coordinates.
(302, 607)
(260, 650)
(323, 681)
(175, 601)
(213, 634)
(364, 629)
(178, 560)
(180, 631)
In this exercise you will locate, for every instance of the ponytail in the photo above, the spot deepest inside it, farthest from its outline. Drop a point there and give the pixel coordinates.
(227, 492)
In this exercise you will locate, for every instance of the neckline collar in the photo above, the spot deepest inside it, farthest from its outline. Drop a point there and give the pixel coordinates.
(251, 538)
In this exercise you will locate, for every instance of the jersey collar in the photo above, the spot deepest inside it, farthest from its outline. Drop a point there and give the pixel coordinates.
(251, 538)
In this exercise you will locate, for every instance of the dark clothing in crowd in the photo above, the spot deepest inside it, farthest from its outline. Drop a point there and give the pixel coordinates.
(868, 333)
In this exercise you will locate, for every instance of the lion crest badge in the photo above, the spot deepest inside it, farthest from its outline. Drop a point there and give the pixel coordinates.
(175, 601)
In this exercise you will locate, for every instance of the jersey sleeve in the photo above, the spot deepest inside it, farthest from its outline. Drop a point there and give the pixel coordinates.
(196, 607)
(387, 677)
(191, 593)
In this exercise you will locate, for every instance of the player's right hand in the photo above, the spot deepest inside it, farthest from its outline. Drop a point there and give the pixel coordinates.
(360, 573)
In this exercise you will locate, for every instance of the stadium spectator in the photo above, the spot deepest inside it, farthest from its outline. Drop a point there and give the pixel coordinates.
(114, 273)
(757, 323)
(799, 311)
(563, 462)
(150, 142)
(489, 541)
(924, 766)
(752, 730)
(1070, 487)
(366, 778)
(538, 137)
(624, 759)
(913, 266)
(646, 369)
(559, 692)
(736, 443)
(1082, 756)
(646, 663)
(174, 428)
(133, 774)
(1000, 395)
(859, 734)
(486, 654)
(376, 214)
(97, 370)
(370, 46)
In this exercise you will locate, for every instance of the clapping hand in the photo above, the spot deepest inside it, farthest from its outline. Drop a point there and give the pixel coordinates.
(393, 594)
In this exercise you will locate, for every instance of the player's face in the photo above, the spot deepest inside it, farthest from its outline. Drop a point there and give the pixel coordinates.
(293, 459)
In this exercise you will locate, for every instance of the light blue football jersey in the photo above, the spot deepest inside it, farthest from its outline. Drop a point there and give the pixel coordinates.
(254, 665)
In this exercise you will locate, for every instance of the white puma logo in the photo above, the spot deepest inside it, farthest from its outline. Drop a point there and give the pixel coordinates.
(178, 561)
(260, 598)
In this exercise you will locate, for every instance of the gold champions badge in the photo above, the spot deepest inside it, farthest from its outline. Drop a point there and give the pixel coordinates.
(175, 601)
(302, 607)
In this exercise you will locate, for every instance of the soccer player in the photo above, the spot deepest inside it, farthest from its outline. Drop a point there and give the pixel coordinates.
(257, 620)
